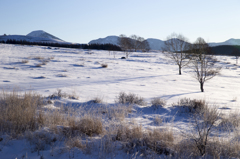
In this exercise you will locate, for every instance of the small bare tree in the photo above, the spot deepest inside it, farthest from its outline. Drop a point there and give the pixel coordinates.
(203, 63)
(203, 122)
(236, 54)
(176, 48)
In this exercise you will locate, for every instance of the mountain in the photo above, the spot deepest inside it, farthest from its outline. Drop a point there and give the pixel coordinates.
(155, 44)
(228, 42)
(106, 40)
(35, 36)
(43, 34)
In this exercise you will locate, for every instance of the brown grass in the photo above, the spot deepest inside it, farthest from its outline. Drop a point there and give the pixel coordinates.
(18, 112)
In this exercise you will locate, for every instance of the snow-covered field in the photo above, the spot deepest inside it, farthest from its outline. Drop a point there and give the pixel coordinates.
(79, 72)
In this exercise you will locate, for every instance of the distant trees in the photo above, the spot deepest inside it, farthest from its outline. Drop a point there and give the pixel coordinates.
(203, 63)
(176, 48)
(236, 53)
(133, 43)
(66, 45)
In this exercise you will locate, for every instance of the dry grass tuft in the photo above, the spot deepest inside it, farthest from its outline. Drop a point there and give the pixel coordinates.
(18, 112)
(90, 125)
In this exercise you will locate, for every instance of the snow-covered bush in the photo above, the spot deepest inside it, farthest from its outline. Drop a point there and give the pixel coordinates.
(130, 98)
(158, 102)
(192, 105)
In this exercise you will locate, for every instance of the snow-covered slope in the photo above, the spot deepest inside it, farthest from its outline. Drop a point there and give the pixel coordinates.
(75, 71)
(106, 40)
(43, 34)
(228, 42)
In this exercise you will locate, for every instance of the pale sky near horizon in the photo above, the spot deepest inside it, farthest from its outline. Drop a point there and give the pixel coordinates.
(84, 20)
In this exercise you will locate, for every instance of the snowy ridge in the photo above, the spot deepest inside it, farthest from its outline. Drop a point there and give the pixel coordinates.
(157, 44)
(107, 40)
(43, 34)
(35, 36)
(228, 42)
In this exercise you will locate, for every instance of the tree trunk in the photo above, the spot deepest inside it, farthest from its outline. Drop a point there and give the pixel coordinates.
(180, 71)
(201, 86)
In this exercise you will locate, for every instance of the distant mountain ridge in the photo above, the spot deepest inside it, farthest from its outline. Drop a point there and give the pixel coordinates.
(34, 36)
(228, 42)
(43, 34)
(157, 44)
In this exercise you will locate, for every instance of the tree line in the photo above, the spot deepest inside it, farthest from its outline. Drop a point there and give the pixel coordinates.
(133, 43)
(111, 47)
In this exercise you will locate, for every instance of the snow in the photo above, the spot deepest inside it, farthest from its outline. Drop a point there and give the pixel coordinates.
(147, 74)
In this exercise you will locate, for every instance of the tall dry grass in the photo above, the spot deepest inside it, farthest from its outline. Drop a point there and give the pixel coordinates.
(18, 112)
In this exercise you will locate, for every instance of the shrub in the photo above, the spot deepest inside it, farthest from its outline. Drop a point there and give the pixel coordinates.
(90, 125)
(96, 100)
(230, 121)
(158, 102)
(194, 105)
(25, 61)
(74, 142)
(134, 137)
(38, 57)
(61, 75)
(104, 65)
(130, 98)
(203, 123)
(38, 65)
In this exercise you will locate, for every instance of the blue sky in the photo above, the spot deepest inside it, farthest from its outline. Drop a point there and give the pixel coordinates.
(84, 20)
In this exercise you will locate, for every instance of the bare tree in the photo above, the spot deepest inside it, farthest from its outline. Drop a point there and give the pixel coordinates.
(133, 43)
(125, 44)
(176, 48)
(203, 123)
(236, 53)
(203, 63)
